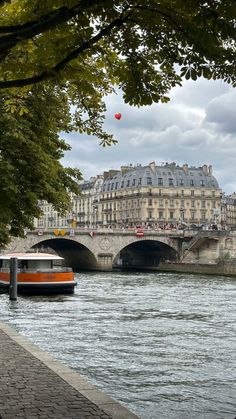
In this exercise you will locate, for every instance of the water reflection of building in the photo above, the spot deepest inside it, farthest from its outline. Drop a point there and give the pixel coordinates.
(143, 195)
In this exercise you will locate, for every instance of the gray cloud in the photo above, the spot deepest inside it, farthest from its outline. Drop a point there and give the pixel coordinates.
(197, 126)
(221, 112)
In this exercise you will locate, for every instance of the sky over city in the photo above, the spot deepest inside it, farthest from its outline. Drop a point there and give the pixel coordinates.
(198, 126)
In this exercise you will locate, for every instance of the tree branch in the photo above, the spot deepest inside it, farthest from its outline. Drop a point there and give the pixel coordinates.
(74, 54)
(167, 17)
(42, 24)
(33, 28)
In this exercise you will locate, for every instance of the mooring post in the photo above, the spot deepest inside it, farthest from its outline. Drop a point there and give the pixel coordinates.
(13, 279)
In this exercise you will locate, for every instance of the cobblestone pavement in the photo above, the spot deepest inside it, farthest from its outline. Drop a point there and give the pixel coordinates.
(30, 390)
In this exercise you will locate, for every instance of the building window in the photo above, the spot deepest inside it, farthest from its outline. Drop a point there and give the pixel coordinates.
(122, 184)
(203, 193)
(171, 203)
(116, 185)
(191, 182)
(192, 203)
(171, 183)
(127, 183)
(133, 182)
(202, 183)
(171, 215)
(192, 215)
(182, 193)
(213, 193)
(140, 181)
(150, 202)
(160, 192)
(161, 202)
(192, 193)
(203, 215)
(160, 215)
(181, 182)
(160, 181)
(149, 181)
(203, 204)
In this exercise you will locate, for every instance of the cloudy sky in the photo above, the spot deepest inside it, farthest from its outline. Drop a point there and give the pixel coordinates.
(197, 126)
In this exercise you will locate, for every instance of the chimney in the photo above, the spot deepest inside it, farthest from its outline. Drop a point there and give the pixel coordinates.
(113, 172)
(110, 174)
(152, 166)
(125, 169)
(205, 169)
(185, 168)
(210, 169)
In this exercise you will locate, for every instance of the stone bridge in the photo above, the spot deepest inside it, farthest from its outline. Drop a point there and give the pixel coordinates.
(107, 249)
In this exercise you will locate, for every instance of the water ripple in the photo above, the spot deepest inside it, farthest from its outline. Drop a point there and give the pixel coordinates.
(162, 344)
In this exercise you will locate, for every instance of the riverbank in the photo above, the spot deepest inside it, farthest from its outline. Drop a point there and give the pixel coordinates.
(226, 267)
(34, 385)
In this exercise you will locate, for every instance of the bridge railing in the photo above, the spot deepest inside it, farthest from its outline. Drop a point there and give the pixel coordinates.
(61, 231)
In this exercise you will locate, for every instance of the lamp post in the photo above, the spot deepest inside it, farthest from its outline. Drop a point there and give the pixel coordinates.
(181, 215)
(13, 279)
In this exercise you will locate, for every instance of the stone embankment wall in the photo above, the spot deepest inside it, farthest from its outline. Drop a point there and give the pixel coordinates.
(227, 267)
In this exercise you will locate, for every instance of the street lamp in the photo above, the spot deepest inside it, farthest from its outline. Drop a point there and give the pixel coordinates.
(181, 215)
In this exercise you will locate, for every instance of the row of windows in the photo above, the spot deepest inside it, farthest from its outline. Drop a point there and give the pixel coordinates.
(115, 185)
(161, 202)
(182, 193)
(161, 215)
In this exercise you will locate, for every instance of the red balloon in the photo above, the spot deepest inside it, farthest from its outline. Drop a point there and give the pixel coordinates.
(118, 115)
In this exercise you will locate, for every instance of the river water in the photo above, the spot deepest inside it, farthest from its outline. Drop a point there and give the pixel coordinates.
(164, 345)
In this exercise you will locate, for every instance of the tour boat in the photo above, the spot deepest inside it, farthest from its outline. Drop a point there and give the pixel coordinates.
(37, 273)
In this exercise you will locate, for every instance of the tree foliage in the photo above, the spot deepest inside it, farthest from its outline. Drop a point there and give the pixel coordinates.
(132, 43)
(30, 153)
(75, 52)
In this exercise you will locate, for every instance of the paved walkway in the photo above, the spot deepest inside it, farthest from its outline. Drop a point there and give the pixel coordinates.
(34, 385)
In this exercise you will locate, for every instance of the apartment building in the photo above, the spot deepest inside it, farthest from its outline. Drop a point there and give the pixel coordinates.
(83, 212)
(228, 210)
(158, 195)
(149, 195)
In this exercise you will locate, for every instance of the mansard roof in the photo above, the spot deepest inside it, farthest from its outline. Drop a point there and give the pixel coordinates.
(168, 175)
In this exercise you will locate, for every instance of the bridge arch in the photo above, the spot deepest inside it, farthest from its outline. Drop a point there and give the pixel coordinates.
(75, 254)
(144, 254)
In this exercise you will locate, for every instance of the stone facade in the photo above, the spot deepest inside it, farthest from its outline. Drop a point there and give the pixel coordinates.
(228, 210)
(155, 196)
(160, 195)
(113, 249)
